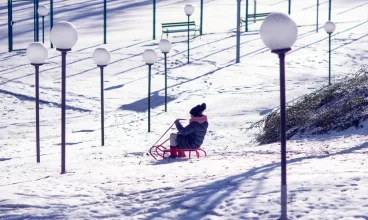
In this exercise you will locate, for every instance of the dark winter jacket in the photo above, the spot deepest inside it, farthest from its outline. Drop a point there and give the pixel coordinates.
(192, 136)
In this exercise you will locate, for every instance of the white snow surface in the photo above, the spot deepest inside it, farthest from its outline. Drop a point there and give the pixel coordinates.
(327, 174)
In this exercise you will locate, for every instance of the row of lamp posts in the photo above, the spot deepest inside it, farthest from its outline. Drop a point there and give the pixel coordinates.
(150, 57)
(64, 36)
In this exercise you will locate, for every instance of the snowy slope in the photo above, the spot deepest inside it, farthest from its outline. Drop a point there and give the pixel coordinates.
(327, 175)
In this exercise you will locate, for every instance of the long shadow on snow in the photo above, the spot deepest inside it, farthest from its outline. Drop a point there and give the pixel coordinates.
(32, 99)
(206, 194)
(142, 104)
(26, 181)
(5, 159)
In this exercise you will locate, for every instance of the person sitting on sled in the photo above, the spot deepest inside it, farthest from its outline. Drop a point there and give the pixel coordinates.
(191, 136)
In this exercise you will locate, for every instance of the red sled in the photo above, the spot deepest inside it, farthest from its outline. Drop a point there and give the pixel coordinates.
(160, 151)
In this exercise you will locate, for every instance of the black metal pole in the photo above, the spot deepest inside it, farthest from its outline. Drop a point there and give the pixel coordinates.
(317, 16)
(289, 7)
(34, 21)
(188, 36)
(43, 29)
(37, 22)
(246, 15)
(201, 24)
(102, 107)
(63, 100)
(37, 67)
(51, 18)
(329, 58)
(105, 22)
(329, 10)
(165, 55)
(238, 32)
(281, 54)
(255, 11)
(154, 19)
(149, 97)
(10, 26)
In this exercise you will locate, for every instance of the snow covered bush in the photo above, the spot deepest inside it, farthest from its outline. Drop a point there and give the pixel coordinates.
(337, 107)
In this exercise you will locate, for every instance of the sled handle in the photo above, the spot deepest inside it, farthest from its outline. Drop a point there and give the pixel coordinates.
(181, 119)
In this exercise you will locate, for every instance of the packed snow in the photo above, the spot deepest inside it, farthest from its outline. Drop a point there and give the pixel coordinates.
(327, 174)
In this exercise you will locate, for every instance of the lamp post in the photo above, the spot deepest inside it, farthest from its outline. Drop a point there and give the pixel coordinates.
(279, 32)
(329, 28)
(149, 57)
(188, 9)
(165, 47)
(37, 54)
(64, 36)
(101, 57)
(43, 11)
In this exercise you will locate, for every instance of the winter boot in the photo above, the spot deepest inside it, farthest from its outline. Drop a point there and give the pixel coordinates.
(181, 153)
(173, 152)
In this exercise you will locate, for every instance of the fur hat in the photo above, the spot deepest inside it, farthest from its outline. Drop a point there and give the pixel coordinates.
(197, 111)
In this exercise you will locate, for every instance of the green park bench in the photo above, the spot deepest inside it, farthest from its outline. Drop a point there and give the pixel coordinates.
(254, 17)
(176, 27)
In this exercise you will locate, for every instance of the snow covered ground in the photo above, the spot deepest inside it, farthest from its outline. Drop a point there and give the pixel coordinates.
(327, 175)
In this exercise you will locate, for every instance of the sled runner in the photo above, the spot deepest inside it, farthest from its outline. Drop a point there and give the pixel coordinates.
(160, 151)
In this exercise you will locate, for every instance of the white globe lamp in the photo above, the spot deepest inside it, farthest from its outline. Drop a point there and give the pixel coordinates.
(189, 9)
(43, 10)
(37, 53)
(149, 56)
(64, 35)
(101, 56)
(165, 45)
(278, 31)
(330, 27)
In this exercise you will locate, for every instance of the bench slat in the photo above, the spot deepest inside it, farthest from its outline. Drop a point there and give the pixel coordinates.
(176, 27)
(177, 31)
(169, 26)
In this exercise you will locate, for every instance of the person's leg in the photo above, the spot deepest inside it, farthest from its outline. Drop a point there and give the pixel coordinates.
(173, 144)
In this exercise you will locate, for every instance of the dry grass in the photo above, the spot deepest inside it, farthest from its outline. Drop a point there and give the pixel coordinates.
(336, 107)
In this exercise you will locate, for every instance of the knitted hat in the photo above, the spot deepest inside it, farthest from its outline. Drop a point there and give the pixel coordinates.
(197, 111)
